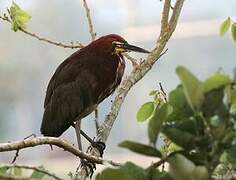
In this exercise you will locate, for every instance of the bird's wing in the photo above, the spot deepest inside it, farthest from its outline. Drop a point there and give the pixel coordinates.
(75, 90)
(68, 102)
(66, 72)
(69, 93)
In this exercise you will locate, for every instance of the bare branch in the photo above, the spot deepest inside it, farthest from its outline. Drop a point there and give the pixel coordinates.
(165, 15)
(137, 74)
(175, 15)
(53, 141)
(72, 46)
(164, 95)
(90, 24)
(15, 157)
(32, 168)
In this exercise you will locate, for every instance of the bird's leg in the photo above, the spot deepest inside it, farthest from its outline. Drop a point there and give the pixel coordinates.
(77, 127)
(100, 146)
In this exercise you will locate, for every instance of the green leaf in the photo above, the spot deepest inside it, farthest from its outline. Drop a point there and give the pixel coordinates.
(155, 123)
(145, 111)
(17, 171)
(178, 101)
(200, 172)
(19, 17)
(180, 167)
(234, 75)
(231, 154)
(155, 174)
(233, 31)
(153, 92)
(189, 125)
(232, 102)
(141, 148)
(193, 88)
(110, 173)
(224, 27)
(198, 158)
(231, 95)
(179, 137)
(128, 171)
(216, 81)
(37, 175)
(213, 101)
(3, 170)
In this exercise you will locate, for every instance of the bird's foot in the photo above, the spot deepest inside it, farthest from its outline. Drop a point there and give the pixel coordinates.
(89, 167)
(100, 146)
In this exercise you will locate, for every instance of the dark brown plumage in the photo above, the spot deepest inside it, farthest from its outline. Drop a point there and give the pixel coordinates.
(82, 81)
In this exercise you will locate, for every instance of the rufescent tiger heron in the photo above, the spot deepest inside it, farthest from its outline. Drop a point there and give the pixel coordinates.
(83, 81)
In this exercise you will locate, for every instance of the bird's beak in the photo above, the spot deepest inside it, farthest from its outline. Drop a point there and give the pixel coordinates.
(129, 47)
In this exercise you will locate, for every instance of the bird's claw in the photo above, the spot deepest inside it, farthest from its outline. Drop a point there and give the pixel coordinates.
(100, 146)
(89, 167)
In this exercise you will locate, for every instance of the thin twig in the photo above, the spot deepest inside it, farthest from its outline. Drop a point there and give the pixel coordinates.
(18, 145)
(90, 24)
(163, 92)
(31, 168)
(135, 76)
(15, 157)
(93, 36)
(72, 46)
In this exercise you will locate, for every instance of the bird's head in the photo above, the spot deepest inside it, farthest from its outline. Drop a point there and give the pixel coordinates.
(115, 44)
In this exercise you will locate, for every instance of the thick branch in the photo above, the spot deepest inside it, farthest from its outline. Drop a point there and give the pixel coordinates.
(165, 15)
(72, 46)
(53, 141)
(90, 24)
(138, 73)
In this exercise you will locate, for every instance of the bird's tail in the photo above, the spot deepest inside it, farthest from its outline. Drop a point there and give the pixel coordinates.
(51, 125)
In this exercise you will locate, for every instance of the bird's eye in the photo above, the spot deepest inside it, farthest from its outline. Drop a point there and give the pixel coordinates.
(117, 43)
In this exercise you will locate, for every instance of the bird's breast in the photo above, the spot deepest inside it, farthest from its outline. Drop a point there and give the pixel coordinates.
(113, 71)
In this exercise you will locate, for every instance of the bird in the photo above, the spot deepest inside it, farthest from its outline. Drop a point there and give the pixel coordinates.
(82, 81)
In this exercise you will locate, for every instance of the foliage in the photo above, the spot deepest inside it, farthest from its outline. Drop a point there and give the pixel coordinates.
(198, 122)
(21, 172)
(18, 17)
(226, 25)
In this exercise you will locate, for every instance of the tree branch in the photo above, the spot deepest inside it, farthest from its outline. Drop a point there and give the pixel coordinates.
(165, 15)
(72, 46)
(17, 145)
(137, 74)
(90, 24)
